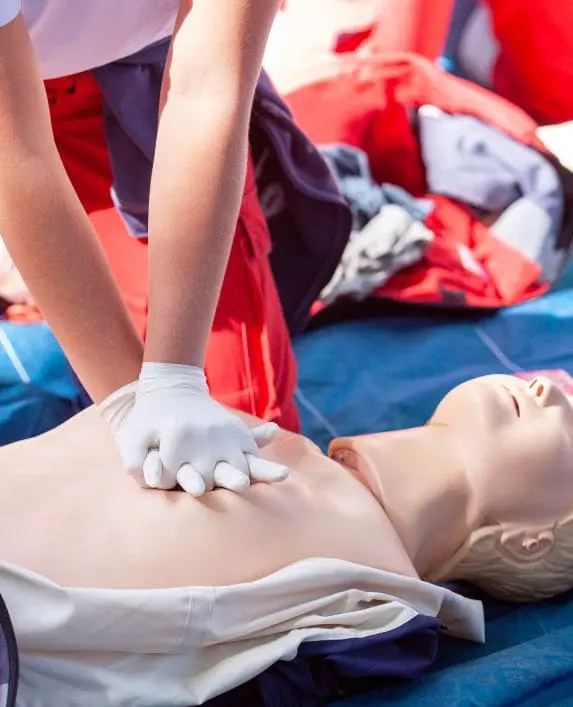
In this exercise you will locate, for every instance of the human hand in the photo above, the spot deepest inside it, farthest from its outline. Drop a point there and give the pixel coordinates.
(170, 431)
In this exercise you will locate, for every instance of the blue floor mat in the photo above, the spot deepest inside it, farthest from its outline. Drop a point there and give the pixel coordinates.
(38, 389)
(368, 376)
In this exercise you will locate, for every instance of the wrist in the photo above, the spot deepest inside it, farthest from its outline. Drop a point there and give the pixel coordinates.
(115, 408)
(155, 375)
(168, 340)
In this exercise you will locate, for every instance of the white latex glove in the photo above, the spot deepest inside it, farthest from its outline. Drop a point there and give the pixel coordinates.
(170, 431)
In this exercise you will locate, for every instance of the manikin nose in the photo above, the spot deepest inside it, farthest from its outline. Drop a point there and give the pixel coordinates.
(546, 392)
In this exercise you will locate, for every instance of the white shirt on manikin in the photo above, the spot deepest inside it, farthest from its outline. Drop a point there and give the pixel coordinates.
(75, 35)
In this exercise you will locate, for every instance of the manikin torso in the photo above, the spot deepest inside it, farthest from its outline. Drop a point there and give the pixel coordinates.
(201, 627)
(69, 512)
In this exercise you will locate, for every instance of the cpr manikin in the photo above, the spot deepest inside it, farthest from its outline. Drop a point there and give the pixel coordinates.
(155, 598)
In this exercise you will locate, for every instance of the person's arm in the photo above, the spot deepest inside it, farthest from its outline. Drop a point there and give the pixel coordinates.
(174, 432)
(49, 235)
(199, 169)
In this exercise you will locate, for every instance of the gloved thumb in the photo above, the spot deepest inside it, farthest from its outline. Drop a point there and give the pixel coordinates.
(133, 450)
(265, 470)
(265, 433)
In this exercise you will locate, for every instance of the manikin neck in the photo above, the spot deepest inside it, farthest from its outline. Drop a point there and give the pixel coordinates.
(418, 477)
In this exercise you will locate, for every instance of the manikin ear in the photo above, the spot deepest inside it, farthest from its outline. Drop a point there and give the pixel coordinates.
(515, 563)
(523, 545)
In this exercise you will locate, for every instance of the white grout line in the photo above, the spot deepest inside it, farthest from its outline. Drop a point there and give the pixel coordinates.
(305, 402)
(496, 351)
(13, 356)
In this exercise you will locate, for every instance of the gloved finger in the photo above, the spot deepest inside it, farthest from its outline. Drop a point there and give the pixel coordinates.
(264, 470)
(152, 469)
(175, 449)
(154, 475)
(265, 433)
(190, 480)
(231, 478)
(237, 459)
(133, 451)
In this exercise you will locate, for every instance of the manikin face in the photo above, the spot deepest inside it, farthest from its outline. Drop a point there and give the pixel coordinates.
(515, 439)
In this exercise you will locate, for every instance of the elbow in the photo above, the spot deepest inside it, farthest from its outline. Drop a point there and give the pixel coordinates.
(27, 154)
(216, 108)
(208, 80)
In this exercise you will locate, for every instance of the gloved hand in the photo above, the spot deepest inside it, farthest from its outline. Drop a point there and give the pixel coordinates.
(170, 431)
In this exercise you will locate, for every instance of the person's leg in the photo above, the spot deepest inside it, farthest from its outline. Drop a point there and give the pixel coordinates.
(250, 363)
(76, 113)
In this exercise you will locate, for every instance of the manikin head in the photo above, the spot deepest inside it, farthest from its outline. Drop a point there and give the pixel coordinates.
(484, 491)
(515, 439)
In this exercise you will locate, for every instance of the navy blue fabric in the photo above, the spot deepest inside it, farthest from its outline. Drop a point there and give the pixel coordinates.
(131, 89)
(387, 373)
(309, 219)
(325, 670)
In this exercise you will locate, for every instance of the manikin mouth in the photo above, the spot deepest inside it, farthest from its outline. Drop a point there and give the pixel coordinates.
(515, 402)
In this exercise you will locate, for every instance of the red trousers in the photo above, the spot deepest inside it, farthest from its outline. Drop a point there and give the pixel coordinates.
(535, 66)
(250, 364)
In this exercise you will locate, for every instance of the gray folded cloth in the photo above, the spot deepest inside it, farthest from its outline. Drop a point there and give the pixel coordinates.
(391, 241)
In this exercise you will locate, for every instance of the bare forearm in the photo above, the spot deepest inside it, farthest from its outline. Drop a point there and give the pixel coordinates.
(199, 169)
(49, 235)
(55, 248)
(196, 193)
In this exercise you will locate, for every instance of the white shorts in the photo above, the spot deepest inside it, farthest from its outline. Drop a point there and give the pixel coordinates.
(183, 646)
